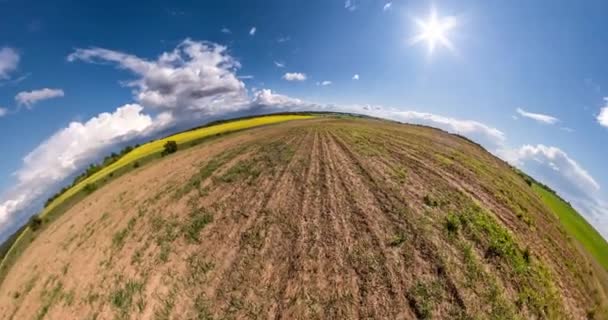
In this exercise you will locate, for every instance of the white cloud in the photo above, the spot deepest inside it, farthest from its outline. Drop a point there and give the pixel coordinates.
(3, 112)
(482, 133)
(602, 118)
(356, 76)
(226, 30)
(387, 6)
(294, 76)
(556, 168)
(252, 31)
(324, 83)
(283, 39)
(9, 59)
(350, 5)
(539, 117)
(559, 161)
(69, 150)
(195, 77)
(279, 64)
(29, 98)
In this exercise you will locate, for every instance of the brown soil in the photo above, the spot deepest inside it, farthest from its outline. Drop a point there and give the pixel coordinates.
(315, 219)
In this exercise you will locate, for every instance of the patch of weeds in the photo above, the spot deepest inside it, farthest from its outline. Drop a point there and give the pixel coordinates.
(91, 298)
(48, 299)
(163, 312)
(424, 296)
(196, 221)
(118, 239)
(197, 268)
(137, 256)
(400, 174)
(244, 169)
(430, 201)
(201, 309)
(122, 298)
(165, 250)
(398, 239)
(535, 287)
(452, 224)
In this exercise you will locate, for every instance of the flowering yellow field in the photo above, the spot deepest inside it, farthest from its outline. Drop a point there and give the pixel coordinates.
(157, 146)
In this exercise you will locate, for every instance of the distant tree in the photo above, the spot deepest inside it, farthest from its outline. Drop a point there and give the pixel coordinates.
(35, 223)
(170, 147)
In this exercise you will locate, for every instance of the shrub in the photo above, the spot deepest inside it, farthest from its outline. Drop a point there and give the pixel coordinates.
(169, 147)
(136, 164)
(90, 188)
(35, 223)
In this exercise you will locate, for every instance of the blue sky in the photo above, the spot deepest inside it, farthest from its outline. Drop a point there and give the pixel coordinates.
(546, 60)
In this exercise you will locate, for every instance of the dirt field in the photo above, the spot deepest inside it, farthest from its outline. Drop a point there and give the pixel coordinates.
(314, 219)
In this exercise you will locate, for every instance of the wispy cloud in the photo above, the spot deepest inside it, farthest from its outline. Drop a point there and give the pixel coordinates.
(226, 30)
(387, 6)
(9, 59)
(351, 5)
(252, 31)
(29, 98)
(279, 64)
(538, 117)
(356, 76)
(283, 39)
(602, 117)
(294, 76)
(324, 83)
(3, 112)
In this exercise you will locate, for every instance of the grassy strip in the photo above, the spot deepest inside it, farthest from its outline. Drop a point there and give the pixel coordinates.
(576, 225)
(140, 155)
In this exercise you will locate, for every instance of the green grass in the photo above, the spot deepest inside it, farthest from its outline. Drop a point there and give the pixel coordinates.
(576, 225)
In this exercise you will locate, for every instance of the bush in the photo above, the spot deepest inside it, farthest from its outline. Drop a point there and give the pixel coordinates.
(90, 188)
(170, 147)
(35, 223)
(136, 164)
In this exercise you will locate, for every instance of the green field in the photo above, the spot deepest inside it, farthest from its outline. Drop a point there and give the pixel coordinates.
(143, 153)
(576, 225)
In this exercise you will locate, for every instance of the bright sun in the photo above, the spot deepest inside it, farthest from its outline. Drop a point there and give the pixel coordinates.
(435, 31)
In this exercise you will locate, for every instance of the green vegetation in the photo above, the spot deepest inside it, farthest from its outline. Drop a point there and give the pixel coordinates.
(195, 223)
(123, 297)
(169, 148)
(575, 225)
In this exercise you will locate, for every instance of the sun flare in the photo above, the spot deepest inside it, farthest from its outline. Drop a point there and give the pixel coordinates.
(434, 31)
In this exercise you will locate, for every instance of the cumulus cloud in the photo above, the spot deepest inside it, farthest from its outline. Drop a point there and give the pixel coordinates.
(29, 98)
(387, 6)
(196, 77)
(556, 168)
(356, 76)
(70, 149)
(252, 31)
(3, 112)
(602, 118)
(538, 117)
(294, 76)
(9, 59)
